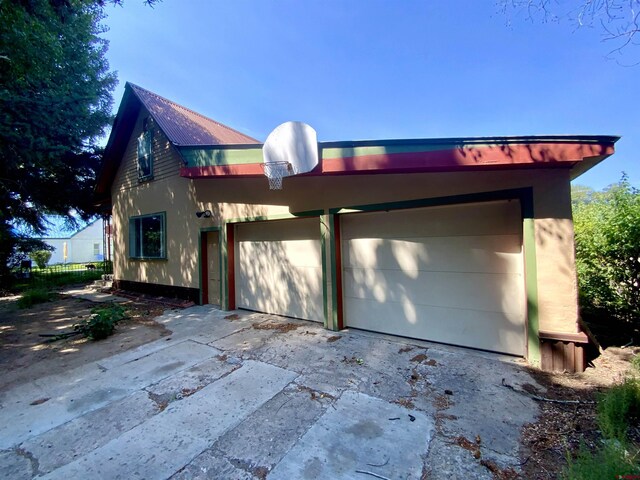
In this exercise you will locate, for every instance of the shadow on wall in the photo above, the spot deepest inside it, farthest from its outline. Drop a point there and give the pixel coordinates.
(279, 269)
(416, 276)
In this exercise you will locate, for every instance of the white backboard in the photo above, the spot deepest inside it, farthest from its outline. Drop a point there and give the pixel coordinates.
(293, 142)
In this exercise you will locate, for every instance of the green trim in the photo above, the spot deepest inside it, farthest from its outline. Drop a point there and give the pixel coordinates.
(261, 218)
(163, 250)
(324, 233)
(333, 320)
(329, 153)
(531, 282)
(308, 213)
(224, 277)
(204, 157)
(516, 193)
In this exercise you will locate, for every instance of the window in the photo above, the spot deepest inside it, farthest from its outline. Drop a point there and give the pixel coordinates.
(147, 236)
(145, 157)
(96, 249)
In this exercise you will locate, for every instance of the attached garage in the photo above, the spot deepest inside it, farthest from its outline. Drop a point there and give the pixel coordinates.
(278, 268)
(451, 274)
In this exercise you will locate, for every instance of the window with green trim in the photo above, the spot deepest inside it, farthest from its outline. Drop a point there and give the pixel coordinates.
(147, 236)
(145, 156)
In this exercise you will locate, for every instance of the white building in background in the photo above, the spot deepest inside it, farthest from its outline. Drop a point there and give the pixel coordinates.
(84, 246)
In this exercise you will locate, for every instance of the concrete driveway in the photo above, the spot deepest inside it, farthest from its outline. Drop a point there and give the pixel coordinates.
(241, 395)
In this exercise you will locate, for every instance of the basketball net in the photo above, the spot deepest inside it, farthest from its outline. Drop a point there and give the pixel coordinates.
(275, 172)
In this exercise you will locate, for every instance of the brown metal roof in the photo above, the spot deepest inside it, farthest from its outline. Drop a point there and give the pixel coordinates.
(184, 126)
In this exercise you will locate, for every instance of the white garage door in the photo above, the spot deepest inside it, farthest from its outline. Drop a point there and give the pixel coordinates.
(279, 268)
(451, 274)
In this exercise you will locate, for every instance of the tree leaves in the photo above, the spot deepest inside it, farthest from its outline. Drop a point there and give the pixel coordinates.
(607, 231)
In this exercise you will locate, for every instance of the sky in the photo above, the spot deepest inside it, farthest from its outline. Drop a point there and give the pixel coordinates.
(372, 69)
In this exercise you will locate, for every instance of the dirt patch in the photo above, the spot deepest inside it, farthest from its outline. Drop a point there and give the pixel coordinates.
(280, 327)
(333, 339)
(421, 357)
(561, 427)
(26, 356)
(405, 349)
(233, 316)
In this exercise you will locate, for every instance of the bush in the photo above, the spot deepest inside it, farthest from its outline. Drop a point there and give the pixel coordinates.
(102, 322)
(619, 407)
(34, 296)
(41, 257)
(607, 232)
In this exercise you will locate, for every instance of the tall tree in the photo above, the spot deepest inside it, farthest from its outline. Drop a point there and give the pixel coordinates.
(55, 101)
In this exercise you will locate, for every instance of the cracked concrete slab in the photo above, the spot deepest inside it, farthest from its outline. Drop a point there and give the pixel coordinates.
(360, 432)
(69, 396)
(245, 395)
(159, 447)
(76, 438)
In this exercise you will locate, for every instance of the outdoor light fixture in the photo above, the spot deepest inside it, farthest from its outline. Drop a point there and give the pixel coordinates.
(204, 213)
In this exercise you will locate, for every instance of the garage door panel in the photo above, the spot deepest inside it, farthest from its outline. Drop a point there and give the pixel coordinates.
(279, 269)
(465, 328)
(486, 218)
(478, 291)
(494, 254)
(450, 274)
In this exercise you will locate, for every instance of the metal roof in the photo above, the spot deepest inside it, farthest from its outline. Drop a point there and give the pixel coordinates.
(184, 126)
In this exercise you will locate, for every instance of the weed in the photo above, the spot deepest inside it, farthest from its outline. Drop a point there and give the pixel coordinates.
(34, 296)
(617, 407)
(635, 363)
(102, 322)
(610, 461)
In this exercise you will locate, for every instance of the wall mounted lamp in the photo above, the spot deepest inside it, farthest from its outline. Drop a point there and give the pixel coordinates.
(204, 213)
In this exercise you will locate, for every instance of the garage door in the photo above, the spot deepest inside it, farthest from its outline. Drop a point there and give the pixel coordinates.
(279, 268)
(451, 274)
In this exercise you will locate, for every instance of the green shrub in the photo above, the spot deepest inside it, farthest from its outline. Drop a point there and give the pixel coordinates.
(607, 234)
(41, 257)
(635, 364)
(102, 322)
(610, 461)
(619, 406)
(34, 296)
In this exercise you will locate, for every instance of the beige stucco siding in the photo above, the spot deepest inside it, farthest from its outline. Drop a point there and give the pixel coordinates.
(244, 198)
(557, 286)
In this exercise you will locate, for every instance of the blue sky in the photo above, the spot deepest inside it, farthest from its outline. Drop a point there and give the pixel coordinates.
(357, 69)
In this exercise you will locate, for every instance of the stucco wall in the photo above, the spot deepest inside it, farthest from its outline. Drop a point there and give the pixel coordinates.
(234, 198)
(557, 285)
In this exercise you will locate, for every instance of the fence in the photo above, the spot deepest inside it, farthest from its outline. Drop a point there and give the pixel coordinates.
(61, 274)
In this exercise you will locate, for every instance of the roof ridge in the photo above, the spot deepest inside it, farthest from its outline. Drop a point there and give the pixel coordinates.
(133, 85)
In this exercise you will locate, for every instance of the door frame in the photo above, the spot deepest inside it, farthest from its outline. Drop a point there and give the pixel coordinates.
(204, 263)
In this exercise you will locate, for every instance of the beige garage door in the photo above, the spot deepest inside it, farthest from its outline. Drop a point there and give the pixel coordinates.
(451, 274)
(279, 268)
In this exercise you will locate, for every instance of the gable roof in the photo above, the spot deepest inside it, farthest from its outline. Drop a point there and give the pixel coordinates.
(181, 125)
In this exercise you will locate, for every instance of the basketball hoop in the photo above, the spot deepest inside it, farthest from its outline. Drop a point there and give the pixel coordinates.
(276, 171)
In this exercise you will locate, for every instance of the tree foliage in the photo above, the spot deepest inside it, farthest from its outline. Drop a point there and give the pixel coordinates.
(607, 231)
(41, 257)
(55, 101)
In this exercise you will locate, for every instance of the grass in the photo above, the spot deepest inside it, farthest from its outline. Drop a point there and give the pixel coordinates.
(618, 456)
(34, 296)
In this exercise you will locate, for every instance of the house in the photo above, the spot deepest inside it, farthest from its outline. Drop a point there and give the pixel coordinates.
(464, 241)
(84, 246)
